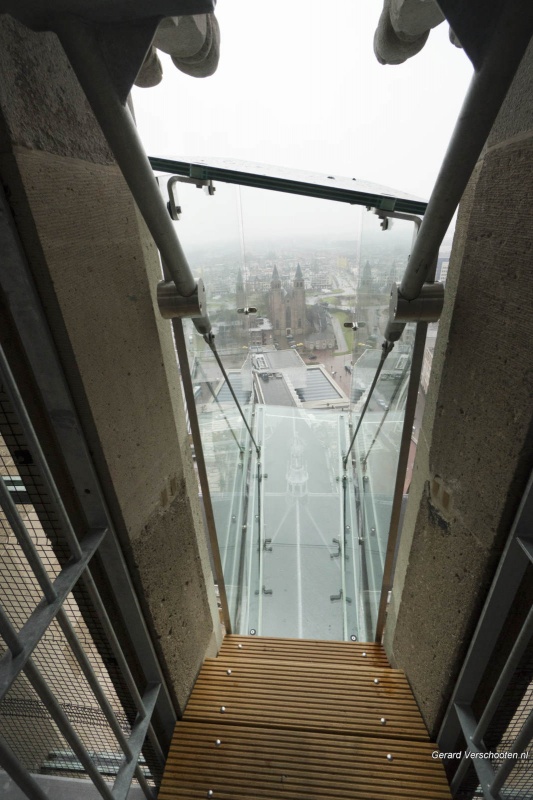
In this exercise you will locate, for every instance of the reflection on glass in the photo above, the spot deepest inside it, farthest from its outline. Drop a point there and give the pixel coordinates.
(302, 540)
(384, 255)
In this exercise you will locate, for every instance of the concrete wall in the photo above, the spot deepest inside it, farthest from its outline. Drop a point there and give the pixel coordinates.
(96, 269)
(475, 448)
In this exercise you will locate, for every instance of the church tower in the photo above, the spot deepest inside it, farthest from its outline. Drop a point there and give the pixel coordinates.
(299, 323)
(277, 312)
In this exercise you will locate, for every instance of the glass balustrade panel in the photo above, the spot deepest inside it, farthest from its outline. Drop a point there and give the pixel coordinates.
(302, 539)
(374, 458)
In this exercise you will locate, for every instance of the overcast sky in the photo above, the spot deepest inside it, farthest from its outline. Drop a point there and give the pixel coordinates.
(298, 85)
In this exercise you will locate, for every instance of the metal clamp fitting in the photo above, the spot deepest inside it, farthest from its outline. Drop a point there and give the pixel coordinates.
(172, 304)
(427, 307)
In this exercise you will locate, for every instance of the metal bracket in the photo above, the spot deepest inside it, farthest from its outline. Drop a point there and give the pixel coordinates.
(427, 307)
(200, 183)
(172, 304)
(173, 204)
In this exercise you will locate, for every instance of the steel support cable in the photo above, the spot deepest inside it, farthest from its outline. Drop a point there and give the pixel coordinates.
(211, 342)
(386, 349)
(217, 401)
(386, 414)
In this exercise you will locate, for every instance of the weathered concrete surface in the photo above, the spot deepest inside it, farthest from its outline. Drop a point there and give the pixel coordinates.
(96, 269)
(475, 449)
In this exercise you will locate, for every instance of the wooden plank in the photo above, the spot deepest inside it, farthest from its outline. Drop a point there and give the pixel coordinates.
(303, 649)
(250, 762)
(301, 719)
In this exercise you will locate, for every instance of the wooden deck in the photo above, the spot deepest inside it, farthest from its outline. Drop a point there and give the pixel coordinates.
(295, 719)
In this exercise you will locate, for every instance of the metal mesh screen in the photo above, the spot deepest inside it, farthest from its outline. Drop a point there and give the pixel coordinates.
(513, 711)
(24, 721)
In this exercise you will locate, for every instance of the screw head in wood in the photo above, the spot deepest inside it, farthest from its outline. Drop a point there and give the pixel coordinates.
(239, 646)
(383, 721)
(228, 671)
(217, 742)
(389, 756)
(222, 709)
(210, 793)
(376, 680)
(364, 655)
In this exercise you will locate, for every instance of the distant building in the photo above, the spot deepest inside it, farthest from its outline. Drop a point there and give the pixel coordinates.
(442, 268)
(321, 281)
(287, 307)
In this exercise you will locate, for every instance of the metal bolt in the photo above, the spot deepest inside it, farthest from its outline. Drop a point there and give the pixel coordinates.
(210, 793)
(389, 756)
(218, 742)
(383, 721)
(353, 637)
(252, 631)
(228, 671)
(364, 655)
(239, 646)
(222, 709)
(376, 680)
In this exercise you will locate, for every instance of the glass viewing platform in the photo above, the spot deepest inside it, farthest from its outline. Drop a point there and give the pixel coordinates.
(298, 286)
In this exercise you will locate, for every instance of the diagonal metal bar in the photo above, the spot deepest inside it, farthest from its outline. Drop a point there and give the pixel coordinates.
(92, 680)
(61, 720)
(499, 601)
(505, 677)
(103, 616)
(37, 453)
(26, 544)
(126, 771)
(56, 712)
(477, 752)
(519, 745)
(33, 630)
(148, 790)
(21, 776)
(25, 309)
(156, 745)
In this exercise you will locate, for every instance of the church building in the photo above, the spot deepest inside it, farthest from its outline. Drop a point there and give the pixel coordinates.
(287, 307)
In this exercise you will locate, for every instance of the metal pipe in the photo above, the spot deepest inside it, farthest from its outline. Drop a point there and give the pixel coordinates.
(403, 457)
(37, 453)
(82, 49)
(486, 94)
